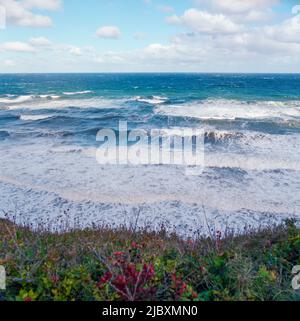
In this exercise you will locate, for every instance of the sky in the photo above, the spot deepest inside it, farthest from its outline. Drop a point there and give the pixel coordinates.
(149, 36)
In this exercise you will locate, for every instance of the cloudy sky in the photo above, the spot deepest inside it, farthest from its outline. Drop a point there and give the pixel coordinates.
(149, 35)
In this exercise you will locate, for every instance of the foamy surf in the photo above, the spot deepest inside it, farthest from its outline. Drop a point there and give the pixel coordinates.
(13, 100)
(221, 109)
(34, 117)
(73, 93)
(153, 100)
(37, 104)
(36, 174)
(16, 100)
(49, 150)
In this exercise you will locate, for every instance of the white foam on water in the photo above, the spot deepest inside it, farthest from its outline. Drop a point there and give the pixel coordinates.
(153, 100)
(16, 100)
(34, 117)
(248, 176)
(38, 104)
(78, 92)
(222, 109)
(43, 179)
(12, 100)
(178, 132)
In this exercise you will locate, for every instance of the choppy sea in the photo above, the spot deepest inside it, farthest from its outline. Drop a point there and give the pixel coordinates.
(48, 169)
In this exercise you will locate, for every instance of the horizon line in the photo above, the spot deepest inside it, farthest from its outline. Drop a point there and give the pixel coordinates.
(150, 72)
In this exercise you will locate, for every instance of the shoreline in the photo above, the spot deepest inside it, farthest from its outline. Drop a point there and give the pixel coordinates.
(200, 224)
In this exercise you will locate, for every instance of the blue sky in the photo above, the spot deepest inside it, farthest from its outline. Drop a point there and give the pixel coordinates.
(150, 35)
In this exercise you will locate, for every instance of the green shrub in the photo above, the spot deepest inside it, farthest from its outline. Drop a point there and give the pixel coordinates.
(104, 264)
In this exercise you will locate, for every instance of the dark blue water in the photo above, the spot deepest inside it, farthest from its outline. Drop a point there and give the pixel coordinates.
(102, 99)
(177, 86)
(49, 122)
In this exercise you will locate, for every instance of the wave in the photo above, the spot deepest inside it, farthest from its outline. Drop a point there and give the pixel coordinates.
(47, 96)
(239, 139)
(39, 104)
(34, 117)
(215, 137)
(153, 100)
(222, 109)
(14, 100)
(234, 176)
(78, 92)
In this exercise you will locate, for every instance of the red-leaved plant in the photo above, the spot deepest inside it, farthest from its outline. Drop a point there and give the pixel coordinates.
(129, 276)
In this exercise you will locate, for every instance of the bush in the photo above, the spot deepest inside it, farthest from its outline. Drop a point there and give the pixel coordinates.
(104, 264)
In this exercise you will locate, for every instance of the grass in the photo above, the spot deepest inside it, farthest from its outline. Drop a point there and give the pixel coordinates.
(117, 265)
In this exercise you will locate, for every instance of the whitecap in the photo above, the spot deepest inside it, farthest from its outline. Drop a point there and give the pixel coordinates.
(78, 92)
(12, 100)
(223, 109)
(34, 117)
(17, 100)
(153, 100)
(97, 102)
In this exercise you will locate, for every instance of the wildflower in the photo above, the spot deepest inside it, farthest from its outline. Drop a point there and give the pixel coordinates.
(134, 245)
(120, 281)
(28, 299)
(118, 253)
(55, 278)
(182, 289)
(105, 278)
(148, 270)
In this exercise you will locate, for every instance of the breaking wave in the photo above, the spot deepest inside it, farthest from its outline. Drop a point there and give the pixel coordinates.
(39, 103)
(153, 100)
(34, 117)
(72, 93)
(222, 109)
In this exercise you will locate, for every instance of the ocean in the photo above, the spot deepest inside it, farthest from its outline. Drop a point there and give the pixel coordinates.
(49, 175)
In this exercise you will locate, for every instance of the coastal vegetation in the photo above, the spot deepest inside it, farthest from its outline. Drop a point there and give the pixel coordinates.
(128, 264)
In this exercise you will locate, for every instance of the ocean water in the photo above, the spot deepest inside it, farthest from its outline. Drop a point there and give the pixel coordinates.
(48, 169)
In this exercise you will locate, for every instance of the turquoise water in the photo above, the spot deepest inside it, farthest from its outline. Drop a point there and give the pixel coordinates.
(48, 127)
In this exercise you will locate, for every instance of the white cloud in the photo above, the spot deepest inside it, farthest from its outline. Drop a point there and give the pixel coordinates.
(40, 42)
(9, 63)
(42, 4)
(296, 9)
(2, 18)
(205, 22)
(174, 19)
(17, 47)
(237, 6)
(222, 36)
(255, 15)
(19, 13)
(76, 51)
(287, 31)
(109, 32)
(241, 10)
(34, 44)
